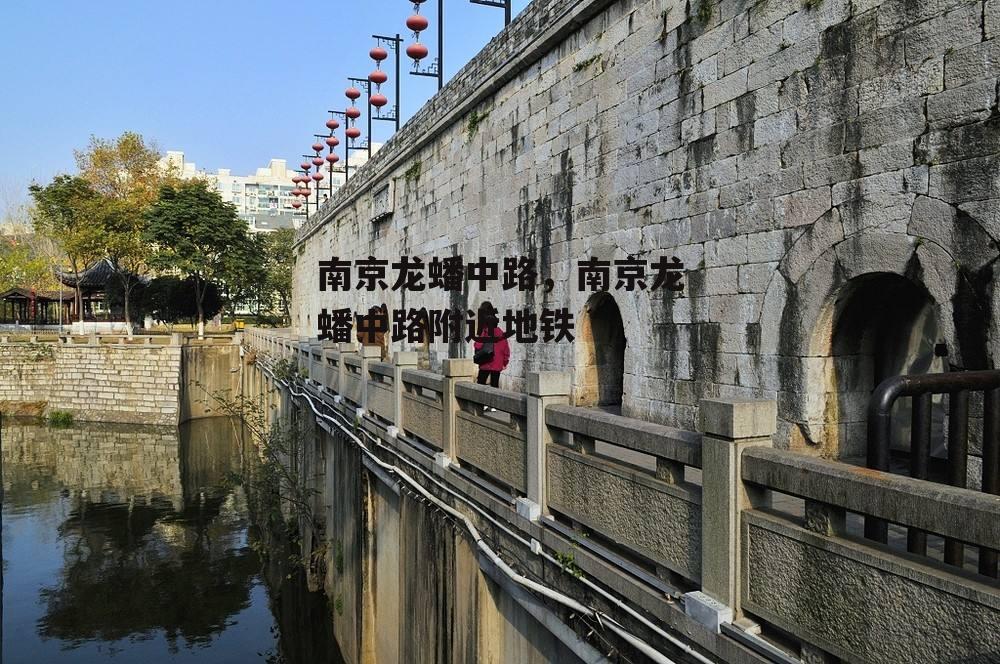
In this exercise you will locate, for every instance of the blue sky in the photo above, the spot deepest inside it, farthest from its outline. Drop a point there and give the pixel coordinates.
(232, 83)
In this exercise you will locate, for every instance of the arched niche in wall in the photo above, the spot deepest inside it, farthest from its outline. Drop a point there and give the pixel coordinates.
(600, 354)
(884, 325)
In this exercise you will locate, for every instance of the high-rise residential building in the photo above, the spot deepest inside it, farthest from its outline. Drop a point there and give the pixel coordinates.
(264, 199)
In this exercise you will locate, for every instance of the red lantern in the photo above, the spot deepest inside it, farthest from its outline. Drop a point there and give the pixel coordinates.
(296, 204)
(353, 112)
(352, 93)
(353, 132)
(317, 176)
(417, 23)
(378, 100)
(296, 180)
(318, 161)
(317, 147)
(332, 158)
(378, 77)
(417, 51)
(378, 54)
(305, 165)
(332, 124)
(333, 142)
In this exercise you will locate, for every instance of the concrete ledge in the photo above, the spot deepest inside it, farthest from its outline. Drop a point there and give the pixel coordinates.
(509, 402)
(646, 437)
(421, 378)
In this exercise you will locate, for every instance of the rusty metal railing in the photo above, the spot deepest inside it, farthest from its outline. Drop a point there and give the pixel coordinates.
(921, 388)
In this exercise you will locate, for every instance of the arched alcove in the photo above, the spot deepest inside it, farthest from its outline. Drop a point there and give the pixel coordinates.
(600, 364)
(883, 325)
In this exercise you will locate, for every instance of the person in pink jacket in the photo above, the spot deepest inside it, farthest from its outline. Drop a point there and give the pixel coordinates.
(490, 337)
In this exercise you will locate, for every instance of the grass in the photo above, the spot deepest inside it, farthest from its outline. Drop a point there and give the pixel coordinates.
(60, 419)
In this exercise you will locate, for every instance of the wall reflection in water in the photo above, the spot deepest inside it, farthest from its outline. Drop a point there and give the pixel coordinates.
(129, 541)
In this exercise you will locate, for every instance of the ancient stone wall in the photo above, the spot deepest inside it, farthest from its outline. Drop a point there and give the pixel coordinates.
(137, 384)
(792, 153)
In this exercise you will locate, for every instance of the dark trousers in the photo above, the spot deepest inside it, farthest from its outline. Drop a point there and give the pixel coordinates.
(493, 376)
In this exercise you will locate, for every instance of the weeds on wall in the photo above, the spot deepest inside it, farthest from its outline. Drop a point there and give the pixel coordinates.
(705, 10)
(60, 419)
(475, 119)
(412, 174)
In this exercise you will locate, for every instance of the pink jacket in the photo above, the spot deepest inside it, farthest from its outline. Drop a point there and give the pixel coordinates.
(501, 352)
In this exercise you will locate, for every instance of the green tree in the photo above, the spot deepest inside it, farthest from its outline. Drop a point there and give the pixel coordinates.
(279, 262)
(126, 172)
(171, 299)
(192, 231)
(69, 211)
(22, 265)
(245, 275)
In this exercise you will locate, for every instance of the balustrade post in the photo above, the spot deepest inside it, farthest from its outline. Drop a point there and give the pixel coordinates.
(328, 347)
(401, 361)
(348, 348)
(456, 370)
(730, 426)
(545, 388)
(369, 354)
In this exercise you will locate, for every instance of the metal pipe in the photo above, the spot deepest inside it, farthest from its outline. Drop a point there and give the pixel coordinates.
(399, 100)
(554, 595)
(920, 449)
(958, 461)
(988, 558)
(440, 44)
(880, 417)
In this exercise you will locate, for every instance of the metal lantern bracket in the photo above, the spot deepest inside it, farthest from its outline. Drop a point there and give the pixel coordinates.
(394, 44)
(365, 85)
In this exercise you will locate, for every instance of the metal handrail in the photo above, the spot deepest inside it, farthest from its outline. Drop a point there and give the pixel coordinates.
(921, 388)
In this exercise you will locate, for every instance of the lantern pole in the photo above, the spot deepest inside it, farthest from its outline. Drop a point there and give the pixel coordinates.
(304, 172)
(367, 86)
(394, 44)
(436, 69)
(330, 163)
(310, 157)
(347, 145)
(499, 4)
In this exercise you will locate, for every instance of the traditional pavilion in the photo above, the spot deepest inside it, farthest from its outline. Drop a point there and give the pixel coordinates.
(26, 306)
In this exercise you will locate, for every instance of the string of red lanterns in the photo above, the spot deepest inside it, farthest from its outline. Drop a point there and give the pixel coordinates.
(416, 23)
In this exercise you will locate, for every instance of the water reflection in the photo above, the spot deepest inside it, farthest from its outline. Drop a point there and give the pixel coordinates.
(129, 542)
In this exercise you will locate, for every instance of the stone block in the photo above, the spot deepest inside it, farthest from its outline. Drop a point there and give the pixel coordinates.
(549, 383)
(802, 208)
(947, 32)
(991, 16)
(964, 105)
(734, 419)
(706, 611)
(971, 63)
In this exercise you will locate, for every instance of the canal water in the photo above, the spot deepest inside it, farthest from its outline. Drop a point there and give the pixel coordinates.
(135, 544)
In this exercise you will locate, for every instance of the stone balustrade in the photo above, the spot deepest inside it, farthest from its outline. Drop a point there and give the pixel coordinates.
(708, 517)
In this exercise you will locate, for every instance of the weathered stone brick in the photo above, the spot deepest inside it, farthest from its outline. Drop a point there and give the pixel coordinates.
(964, 105)
(953, 30)
(992, 19)
(971, 64)
(802, 207)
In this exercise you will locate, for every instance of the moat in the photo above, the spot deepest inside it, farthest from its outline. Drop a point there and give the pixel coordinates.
(136, 544)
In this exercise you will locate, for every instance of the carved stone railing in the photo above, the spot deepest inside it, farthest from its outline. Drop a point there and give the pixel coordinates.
(694, 511)
(653, 511)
